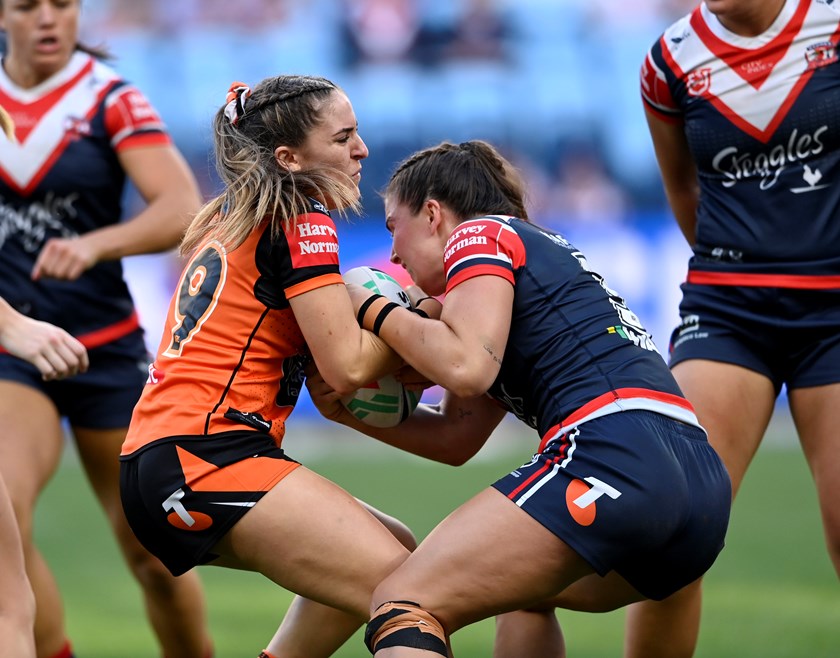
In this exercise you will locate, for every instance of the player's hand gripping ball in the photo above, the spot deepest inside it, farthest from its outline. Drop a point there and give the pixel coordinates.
(385, 402)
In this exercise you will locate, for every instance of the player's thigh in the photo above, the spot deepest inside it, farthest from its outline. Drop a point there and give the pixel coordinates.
(814, 411)
(594, 593)
(31, 441)
(313, 538)
(734, 405)
(396, 527)
(99, 452)
(487, 557)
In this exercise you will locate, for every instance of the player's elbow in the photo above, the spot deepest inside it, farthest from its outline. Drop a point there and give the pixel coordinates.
(466, 382)
(347, 381)
(456, 457)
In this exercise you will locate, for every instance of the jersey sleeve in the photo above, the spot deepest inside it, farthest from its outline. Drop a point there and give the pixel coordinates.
(482, 247)
(313, 254)
(131, 121)
(656, 92)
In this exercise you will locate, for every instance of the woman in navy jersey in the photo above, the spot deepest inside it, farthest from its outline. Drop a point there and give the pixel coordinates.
(624, 498)
(56, 354)
(81, 132)
(742, 101)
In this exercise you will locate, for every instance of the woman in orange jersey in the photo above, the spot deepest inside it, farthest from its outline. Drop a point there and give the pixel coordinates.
(204, 477)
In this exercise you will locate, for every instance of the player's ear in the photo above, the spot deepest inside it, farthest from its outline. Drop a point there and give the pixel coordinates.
(435, 215)
(287, 158)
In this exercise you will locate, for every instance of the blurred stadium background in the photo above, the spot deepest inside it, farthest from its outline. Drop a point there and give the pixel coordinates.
(554, 83)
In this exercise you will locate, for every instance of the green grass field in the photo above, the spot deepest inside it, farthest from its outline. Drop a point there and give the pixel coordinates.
(772, 593)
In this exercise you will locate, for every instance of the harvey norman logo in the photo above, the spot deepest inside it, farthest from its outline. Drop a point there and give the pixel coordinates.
(309, 230)
(465, 236)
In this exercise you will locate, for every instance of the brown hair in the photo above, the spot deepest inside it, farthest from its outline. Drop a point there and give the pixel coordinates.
(280, 111)
(471, 178)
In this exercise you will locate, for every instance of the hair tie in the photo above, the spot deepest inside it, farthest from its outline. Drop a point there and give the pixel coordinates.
(235, 99)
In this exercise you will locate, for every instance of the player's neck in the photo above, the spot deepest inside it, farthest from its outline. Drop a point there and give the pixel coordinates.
(747, 19)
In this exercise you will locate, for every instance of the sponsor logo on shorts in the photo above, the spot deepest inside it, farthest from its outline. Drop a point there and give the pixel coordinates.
(581, 497)
(182, 519)
(689, 329)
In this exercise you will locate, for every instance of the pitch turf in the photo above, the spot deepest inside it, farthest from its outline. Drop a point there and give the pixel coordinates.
(772, 593)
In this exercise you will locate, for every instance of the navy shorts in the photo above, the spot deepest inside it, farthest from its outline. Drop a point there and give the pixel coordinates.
(633, 492)
(790, 336)
(102, 398)
(182, 494)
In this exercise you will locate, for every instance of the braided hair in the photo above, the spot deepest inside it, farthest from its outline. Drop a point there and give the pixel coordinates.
(471, 178)
(280, 111)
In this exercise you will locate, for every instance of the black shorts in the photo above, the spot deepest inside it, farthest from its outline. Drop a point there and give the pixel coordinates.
(182, 494)
(101, 398)
(633, 492)
(790, 336)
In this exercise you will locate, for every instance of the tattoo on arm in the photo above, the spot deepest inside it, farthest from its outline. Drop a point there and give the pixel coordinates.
(492, 354)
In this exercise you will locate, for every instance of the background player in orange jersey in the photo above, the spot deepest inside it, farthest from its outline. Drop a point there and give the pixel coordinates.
(204, 477)
(82, 131)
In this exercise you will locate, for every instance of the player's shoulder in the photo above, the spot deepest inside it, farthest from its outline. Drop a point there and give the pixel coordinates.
(676, 34)
(832, 6)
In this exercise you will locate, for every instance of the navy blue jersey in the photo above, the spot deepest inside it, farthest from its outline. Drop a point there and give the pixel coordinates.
(762, 120)
(575, 350)
(62, 178)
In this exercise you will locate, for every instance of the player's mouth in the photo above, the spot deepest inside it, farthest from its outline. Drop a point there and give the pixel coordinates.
(48, 45)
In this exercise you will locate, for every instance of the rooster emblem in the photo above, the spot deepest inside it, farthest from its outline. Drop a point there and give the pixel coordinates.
(812, 177)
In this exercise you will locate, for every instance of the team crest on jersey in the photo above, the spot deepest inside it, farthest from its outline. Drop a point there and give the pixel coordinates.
(821, 54)
(698, 81)
(76, 128)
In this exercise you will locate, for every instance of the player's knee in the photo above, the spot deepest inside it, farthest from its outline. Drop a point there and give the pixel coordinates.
(403, 534)
(149, 572)
(405, 624)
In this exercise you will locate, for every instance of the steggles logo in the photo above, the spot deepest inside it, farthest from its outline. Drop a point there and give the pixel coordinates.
(735, 165)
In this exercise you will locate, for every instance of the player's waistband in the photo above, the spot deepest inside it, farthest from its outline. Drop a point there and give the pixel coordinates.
(105, 335)
(758, 280)
(625, 399)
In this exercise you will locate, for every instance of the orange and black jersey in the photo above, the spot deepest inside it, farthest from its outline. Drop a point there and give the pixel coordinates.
(232, 354)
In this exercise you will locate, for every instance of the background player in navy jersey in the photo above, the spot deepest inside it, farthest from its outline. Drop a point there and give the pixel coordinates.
(56, 354)
(742, 100)
(80, 132)
(624, 498)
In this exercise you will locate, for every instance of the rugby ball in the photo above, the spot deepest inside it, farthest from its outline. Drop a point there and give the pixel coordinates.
(386, 402)
(379, 282)
(383, 403)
